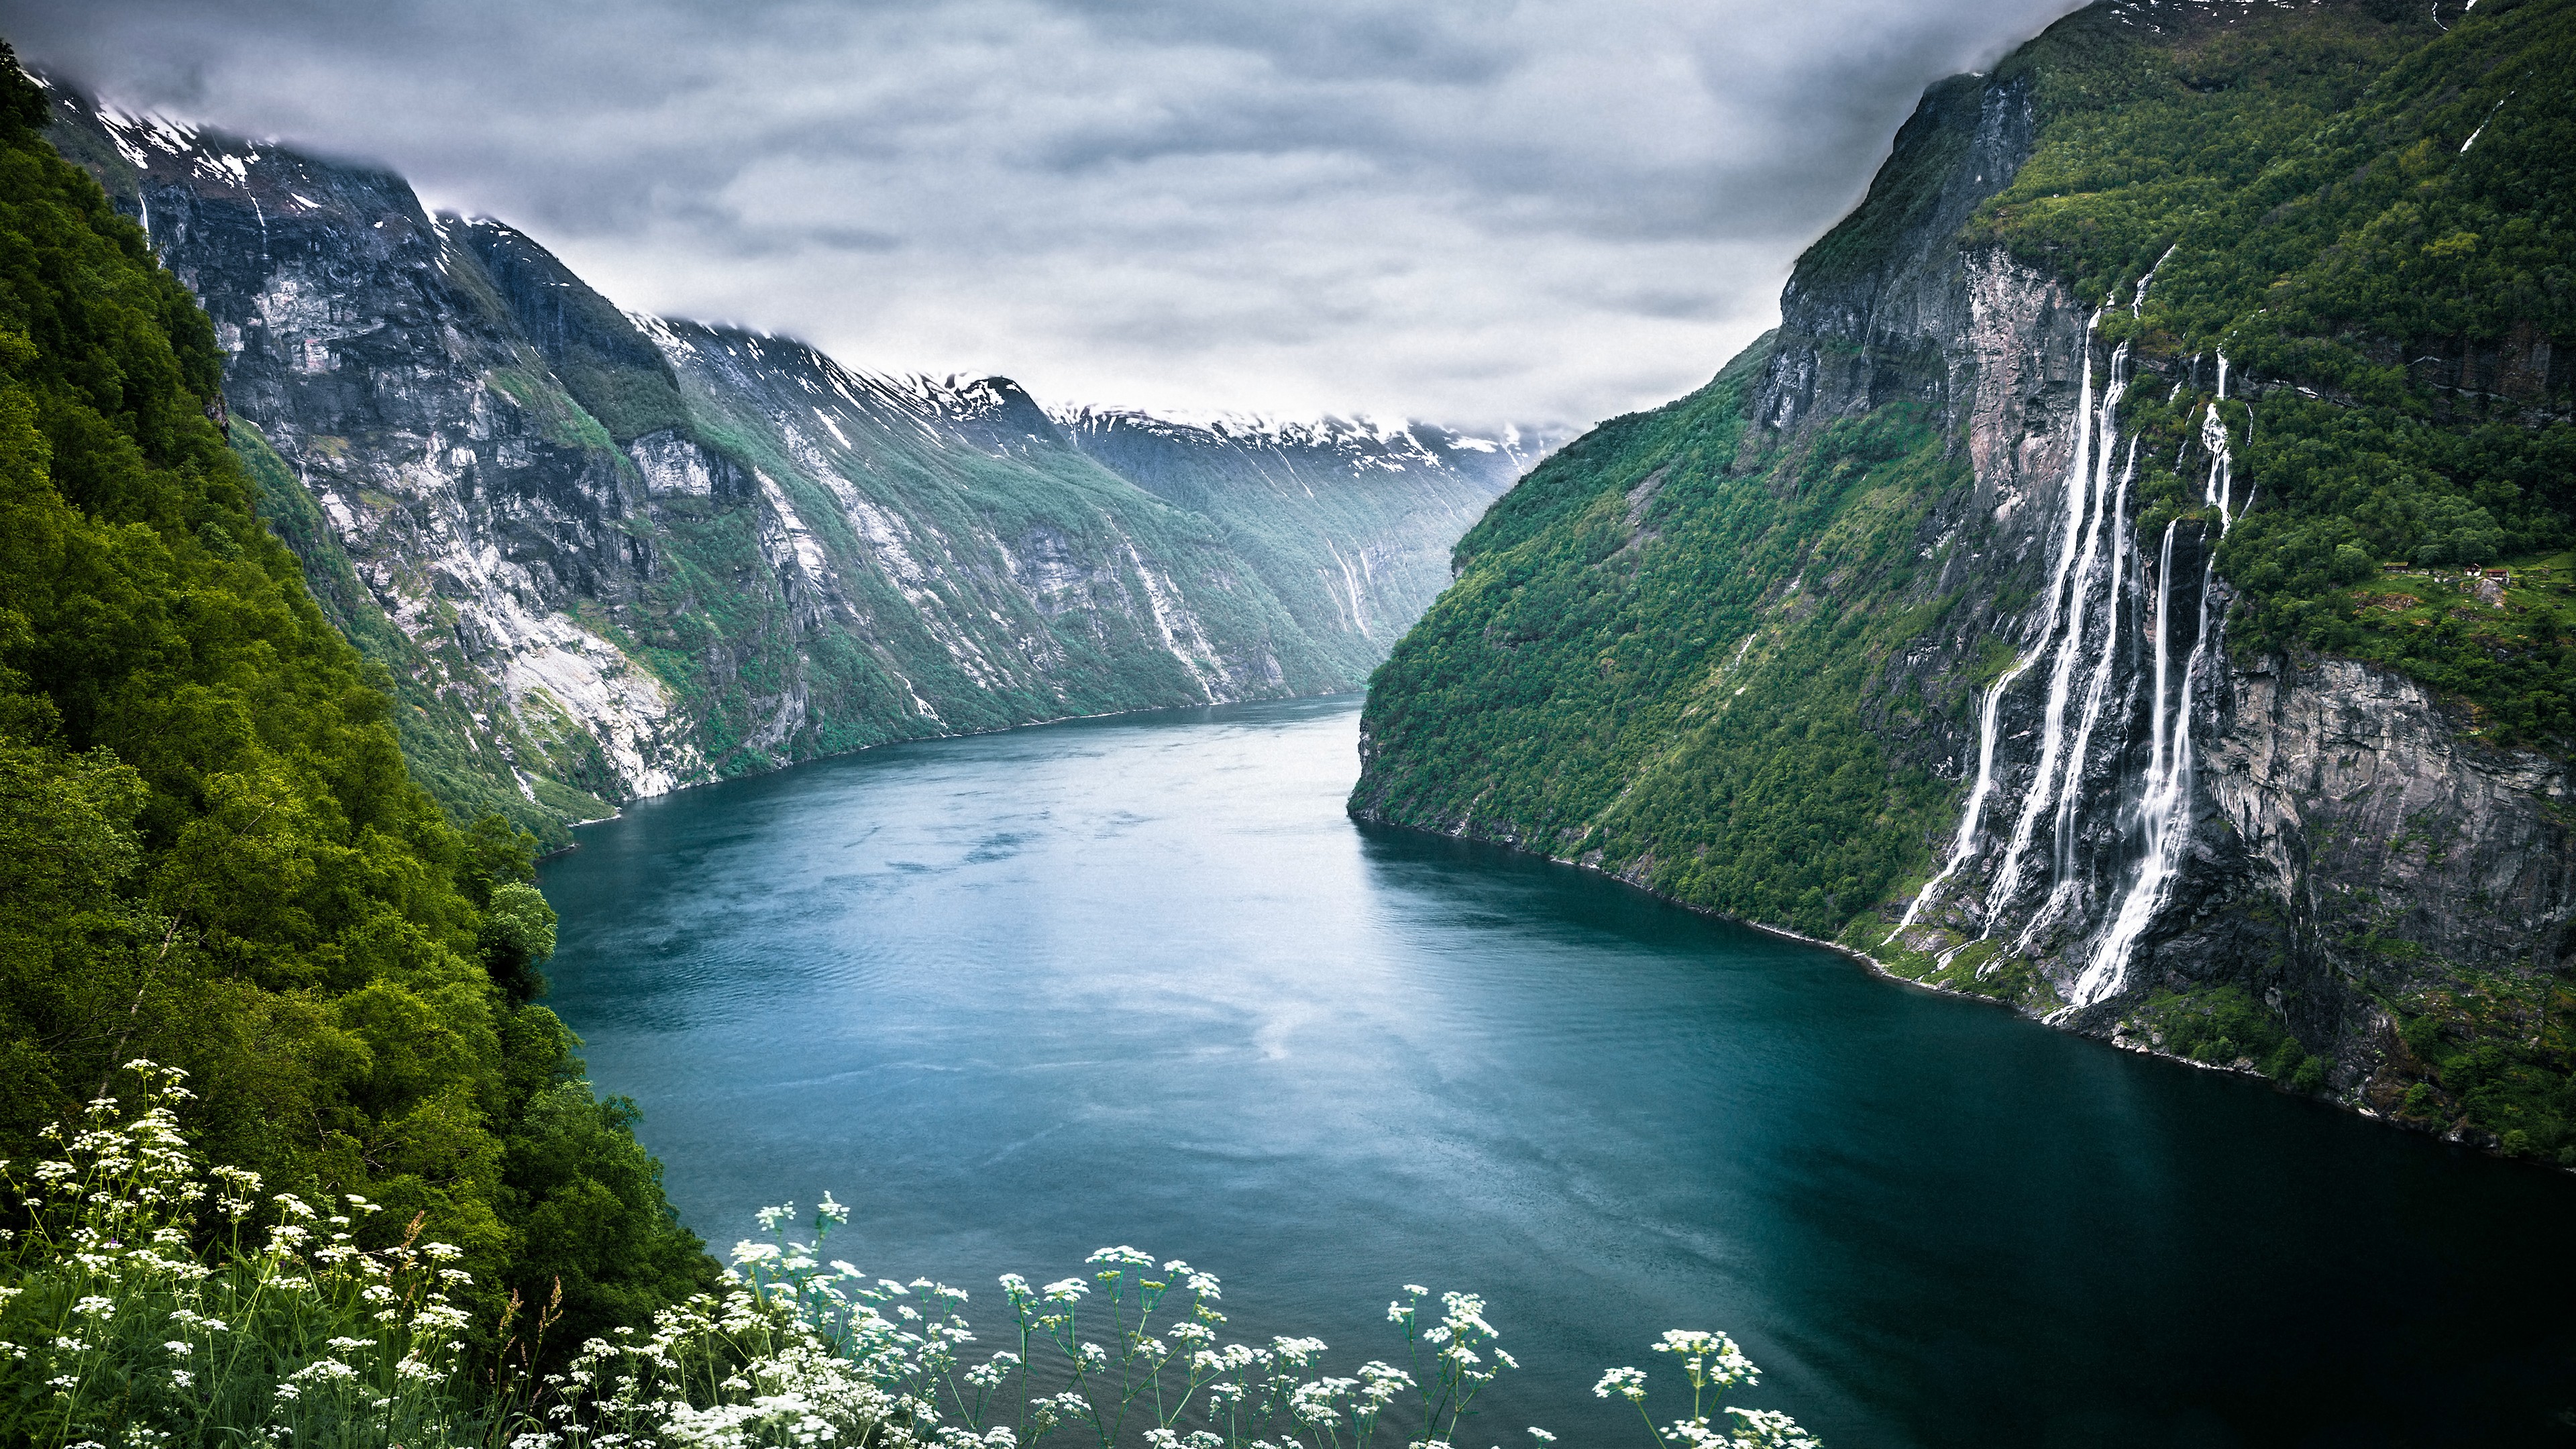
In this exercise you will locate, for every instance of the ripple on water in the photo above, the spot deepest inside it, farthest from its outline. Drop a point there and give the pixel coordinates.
(1141, 981)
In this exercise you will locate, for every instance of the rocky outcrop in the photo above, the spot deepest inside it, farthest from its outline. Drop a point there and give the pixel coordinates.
(605, 556)
(2353, 854)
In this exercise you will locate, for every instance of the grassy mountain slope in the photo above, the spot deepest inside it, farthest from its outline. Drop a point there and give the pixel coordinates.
(1624, 674)
(215, 856)
(1735, 649)
(2377, 219)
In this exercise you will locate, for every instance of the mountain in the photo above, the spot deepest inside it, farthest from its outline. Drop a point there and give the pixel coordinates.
(604, 556)
(211, 855)
(2132, 584)
(1273, 485)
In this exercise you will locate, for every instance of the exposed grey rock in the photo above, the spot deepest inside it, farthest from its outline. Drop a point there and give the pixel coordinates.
(2343, 842)
(618, 555)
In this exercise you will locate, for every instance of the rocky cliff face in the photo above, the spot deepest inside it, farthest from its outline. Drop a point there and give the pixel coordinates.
(1254, 476)
(606, 556)
(2104, 811)
(2150, 814)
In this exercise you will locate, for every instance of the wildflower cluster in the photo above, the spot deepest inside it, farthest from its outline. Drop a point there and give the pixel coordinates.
(287, 1333)
(1713, 1364)
(801, 1351)
(149, 1303)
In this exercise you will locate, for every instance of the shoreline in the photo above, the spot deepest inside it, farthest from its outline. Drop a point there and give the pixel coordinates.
(619, 812)
(1877, 969)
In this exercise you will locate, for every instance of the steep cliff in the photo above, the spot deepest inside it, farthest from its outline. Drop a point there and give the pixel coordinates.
(2080, 600)
(604, 556)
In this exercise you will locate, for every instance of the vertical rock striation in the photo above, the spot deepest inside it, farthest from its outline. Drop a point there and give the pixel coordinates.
(604, 556)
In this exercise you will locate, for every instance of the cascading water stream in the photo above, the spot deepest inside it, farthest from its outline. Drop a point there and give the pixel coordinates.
(2138, 299)
(2164, 805)
(2220, 491)
(1964, 847)
(2092, 479)
(2097, 691)
(2158, 803)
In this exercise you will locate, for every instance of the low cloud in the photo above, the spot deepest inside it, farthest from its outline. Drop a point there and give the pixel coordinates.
(1473, 210)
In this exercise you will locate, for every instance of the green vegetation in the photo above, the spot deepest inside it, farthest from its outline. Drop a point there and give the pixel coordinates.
(2393, 289)
(1668, 652)
(2225, 1026)
(2494, 1054)
(150, 1298)
(1664, 666)
(213, 854)
(146, 1299)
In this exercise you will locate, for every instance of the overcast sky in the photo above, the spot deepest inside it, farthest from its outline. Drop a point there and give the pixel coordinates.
(1463, 210)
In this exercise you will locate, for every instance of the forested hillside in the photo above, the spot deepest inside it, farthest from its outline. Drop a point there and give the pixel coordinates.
(211, 853)
(2082, 599)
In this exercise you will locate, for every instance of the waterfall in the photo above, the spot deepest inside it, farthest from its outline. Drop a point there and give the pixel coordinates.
(2138, 299)
(2097, 691)
(2164, 805)
(2091, 481)
(2087, 650)
(2220, 491)
(1964, 846)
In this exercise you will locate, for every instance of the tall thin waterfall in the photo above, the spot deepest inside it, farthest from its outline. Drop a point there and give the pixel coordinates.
(2087, 623)
(2220, 491)
(2097, 691)
(2164, 805)
(1965, 846)
(2091, 482)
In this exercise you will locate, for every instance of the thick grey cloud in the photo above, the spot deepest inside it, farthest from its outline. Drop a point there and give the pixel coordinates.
(1475, 210)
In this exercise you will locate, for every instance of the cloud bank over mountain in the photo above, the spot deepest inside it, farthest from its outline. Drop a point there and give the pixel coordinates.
(1459, 209)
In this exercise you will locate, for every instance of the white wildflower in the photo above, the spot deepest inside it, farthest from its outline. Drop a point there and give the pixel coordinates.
(1628, 1383)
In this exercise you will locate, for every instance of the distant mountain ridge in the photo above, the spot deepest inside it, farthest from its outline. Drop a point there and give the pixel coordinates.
(605, 555)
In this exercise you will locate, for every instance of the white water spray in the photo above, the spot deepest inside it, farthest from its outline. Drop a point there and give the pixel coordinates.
(2220, 491)
(2164, 805)
(2097, 691)
(2138, 298)
(2092, 481)
(1964, 846)
(2097, 528)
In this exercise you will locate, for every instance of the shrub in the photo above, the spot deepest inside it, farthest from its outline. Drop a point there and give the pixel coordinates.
(118, 1328)
(143, 1304)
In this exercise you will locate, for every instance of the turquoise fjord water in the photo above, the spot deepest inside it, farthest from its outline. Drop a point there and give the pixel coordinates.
(1140, 981)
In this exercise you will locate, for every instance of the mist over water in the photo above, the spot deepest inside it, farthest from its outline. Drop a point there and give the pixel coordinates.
(1141, 981)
